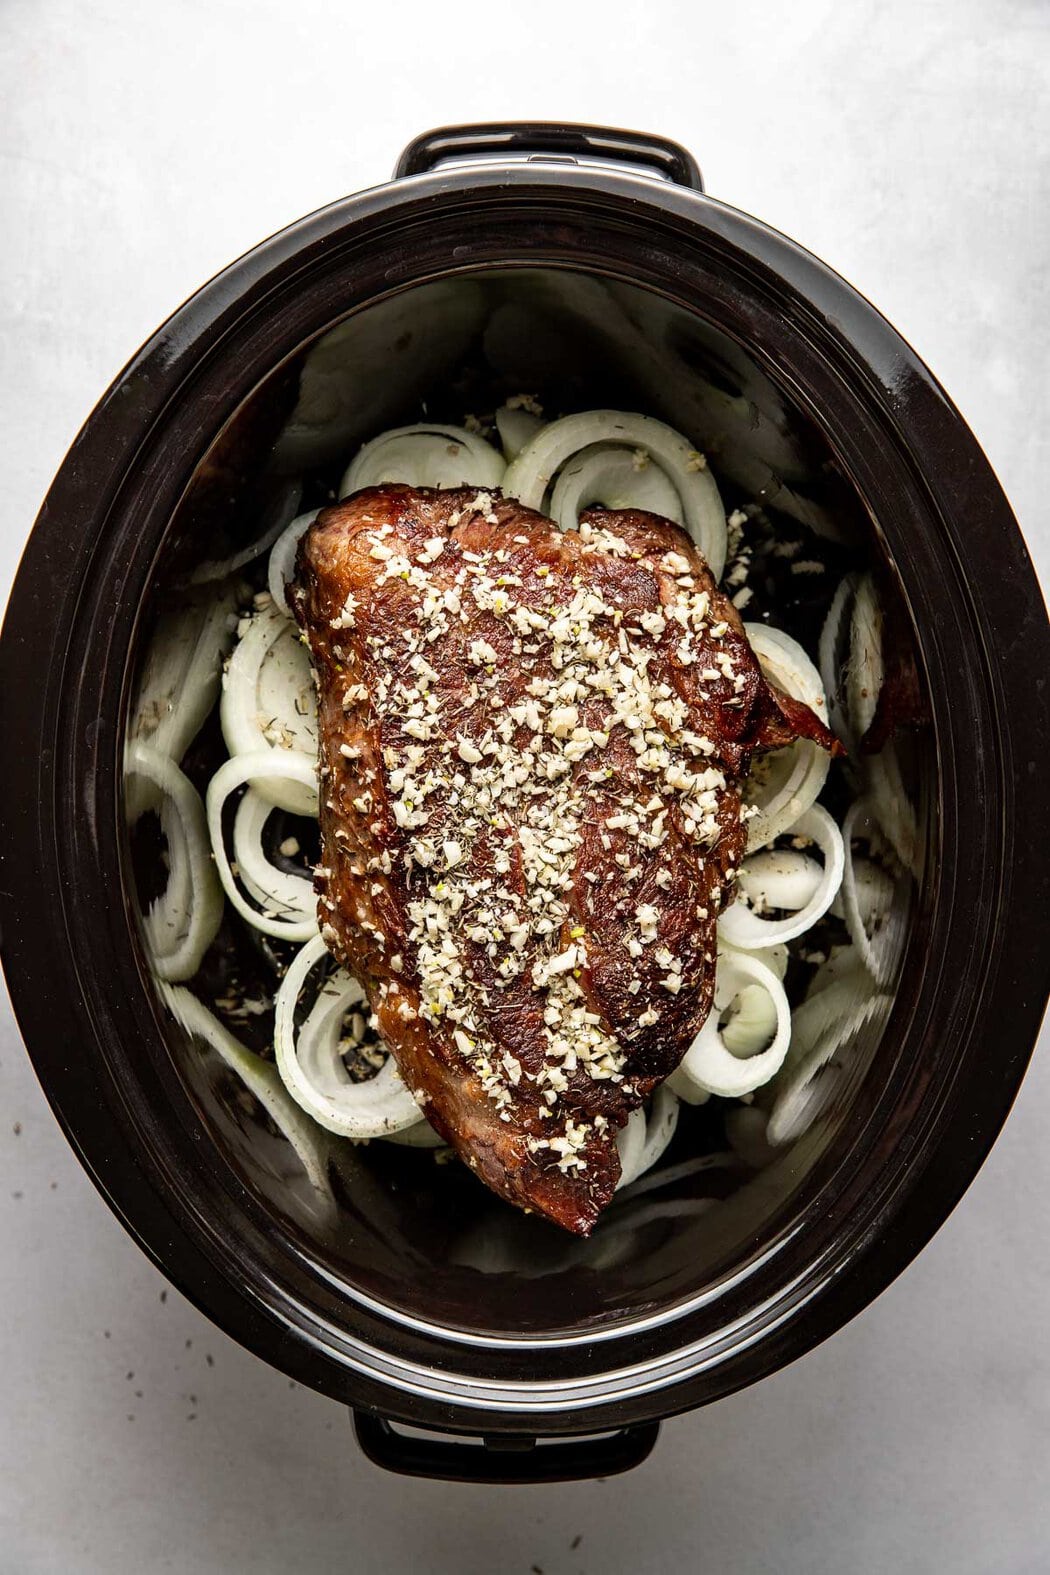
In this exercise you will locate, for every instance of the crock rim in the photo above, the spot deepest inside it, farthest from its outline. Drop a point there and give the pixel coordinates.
(166, 365)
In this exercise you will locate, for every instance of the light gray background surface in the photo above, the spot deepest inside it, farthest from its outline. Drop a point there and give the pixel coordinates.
(142, 147)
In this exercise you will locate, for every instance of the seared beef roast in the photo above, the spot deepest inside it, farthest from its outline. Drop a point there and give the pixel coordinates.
(532, 744)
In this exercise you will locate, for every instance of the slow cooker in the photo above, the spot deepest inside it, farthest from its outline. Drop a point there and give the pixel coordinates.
(466, 1340)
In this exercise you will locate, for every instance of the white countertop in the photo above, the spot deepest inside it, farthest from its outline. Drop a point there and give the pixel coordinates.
(141, 148)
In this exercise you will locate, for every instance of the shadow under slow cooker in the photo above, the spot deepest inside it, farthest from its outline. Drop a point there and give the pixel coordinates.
(405, 1225)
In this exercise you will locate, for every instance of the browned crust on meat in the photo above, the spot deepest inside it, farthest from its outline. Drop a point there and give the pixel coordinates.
(367, 571)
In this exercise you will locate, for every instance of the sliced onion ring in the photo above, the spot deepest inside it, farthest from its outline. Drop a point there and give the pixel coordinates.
(865, 672)
(314, 1073)
(852, 666)
(607, 474)
(785, 783)
(838, 986)
(630, 1141)
(833, 656)
(749, 931)
(516, 427)
(709, 1063)
(182, 923)
(660, 1127)
(805, 1088)
(685, 1089)
(844, 963)
(424, 455)
(258, 1076)
(872, 943)
(291, 896)
(179, 682)
(289, 765)
(775, 957)
(538, 464)
(646, 1135)
(782, 878)
(892, 807)
(269, 684)
(280, 570)
(422, 1135)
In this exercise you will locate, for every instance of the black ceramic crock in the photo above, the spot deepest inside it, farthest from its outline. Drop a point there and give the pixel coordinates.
(562, 1366)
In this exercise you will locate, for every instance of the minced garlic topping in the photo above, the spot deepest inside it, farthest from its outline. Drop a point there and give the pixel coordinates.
(525, 767)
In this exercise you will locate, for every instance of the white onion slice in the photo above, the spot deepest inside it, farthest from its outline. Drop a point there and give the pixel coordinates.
(281, 568)
(646, 1135)
(180, 680)
(843, 963)
(892, 806)
(422, 1135)
(833, 656)
(837, 984)
(881, 771)
(278, 512)
(258, 1076)
(743, 928)
(660, 1126)
(516, 427)
(609, 475)
(806, 1088)
(775, 957)
(866, 897)
(710, 1063)
(233, 773)
(865, 672)
(424, 455)
(873, 890)
(630, 1141)
(685, 1089)
(184, 920)
(289, 896)
(269, 703)
(313, 1072)
(851, 662)
(785, 783)
(782, 878)
(536, 469)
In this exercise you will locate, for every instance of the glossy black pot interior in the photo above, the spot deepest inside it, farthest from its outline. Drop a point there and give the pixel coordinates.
(400, 1285)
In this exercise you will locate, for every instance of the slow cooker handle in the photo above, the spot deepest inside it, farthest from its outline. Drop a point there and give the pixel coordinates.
(544, 137)
(512, 1458)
